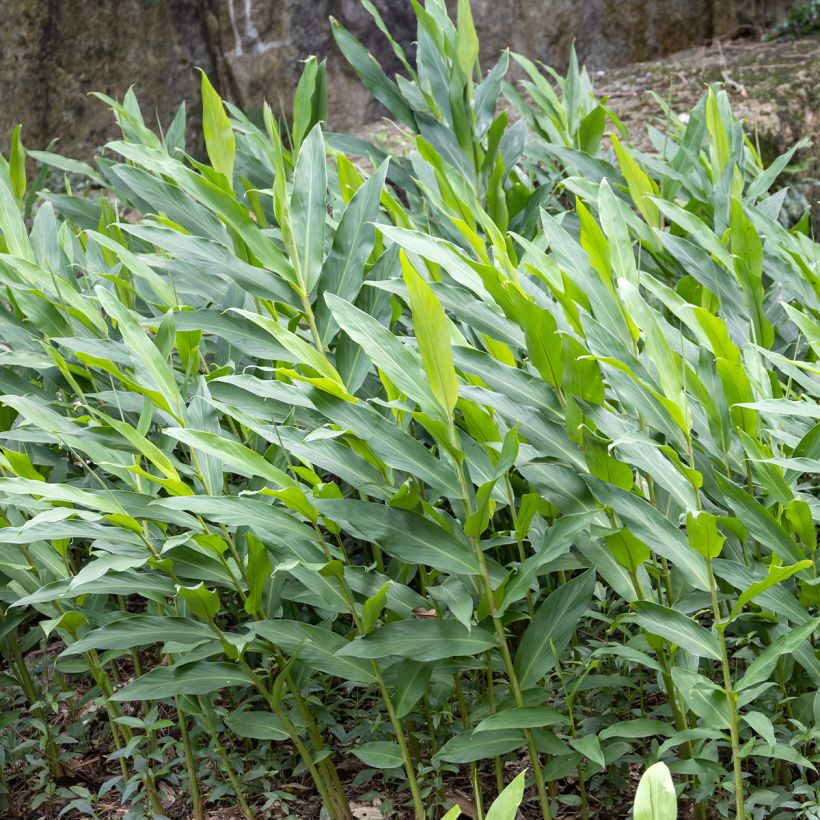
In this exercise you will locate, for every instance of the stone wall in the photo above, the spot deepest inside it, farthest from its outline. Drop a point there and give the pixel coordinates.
(54, 52)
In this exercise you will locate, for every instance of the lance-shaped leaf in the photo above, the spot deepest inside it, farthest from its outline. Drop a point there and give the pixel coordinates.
(198, 678)
(237, 456)
(140, 630)
(400, 363)
(379, 754)
(620, 245)
(506, 805)
(343, 270)
(472, 745)
(302, 352)
(761, 667)
(316, 647)
(403, 534)
(427, 639)
(677, 629)
(522, 717)
(308, 210)
(654, 529)
(552, 626)
(433, 336)
(219, 139)
(656, 798)
(149, 365)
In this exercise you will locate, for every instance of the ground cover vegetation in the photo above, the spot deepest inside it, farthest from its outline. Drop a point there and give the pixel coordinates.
(329, 475)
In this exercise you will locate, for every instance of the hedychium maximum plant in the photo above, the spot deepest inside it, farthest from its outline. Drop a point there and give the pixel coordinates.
(509, 444)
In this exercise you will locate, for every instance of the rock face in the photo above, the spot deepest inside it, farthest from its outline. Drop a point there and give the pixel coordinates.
(53, 52)
(774, 87)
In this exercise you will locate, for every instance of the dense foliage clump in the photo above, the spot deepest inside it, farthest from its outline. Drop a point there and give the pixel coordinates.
(800, 21)
(329, 475)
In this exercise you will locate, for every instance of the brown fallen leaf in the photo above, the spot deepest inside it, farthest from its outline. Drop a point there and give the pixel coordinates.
(421, 612)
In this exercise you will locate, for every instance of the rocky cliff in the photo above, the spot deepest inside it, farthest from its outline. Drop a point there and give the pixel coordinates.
(54, 52)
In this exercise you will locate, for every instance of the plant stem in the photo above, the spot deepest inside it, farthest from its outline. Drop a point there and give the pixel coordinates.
(321, 786)
(409, 768)
(467, 724)
(499, 773)
(334, 784)
(731, 696)
(190, 763)
(501, 636)
(30, 691)
(418, 806)
(223, 757)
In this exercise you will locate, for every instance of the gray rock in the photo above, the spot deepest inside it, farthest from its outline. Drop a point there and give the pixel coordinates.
(54, 52)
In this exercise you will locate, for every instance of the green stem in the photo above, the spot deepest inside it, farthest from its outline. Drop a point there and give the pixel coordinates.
(30, 690)
(223, 758)
(467, 724)
(409, 768)
(731, 696)
(501, 636)
(190, 763)
(499, 772)
(319, 781)
(333, 783)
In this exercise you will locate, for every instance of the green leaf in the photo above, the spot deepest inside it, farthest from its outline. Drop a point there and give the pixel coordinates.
(721, 152)
(614, 226)
(433, 335)
(759, 521)
(641, 187)
(411, 684)
(630, 552)
(300, 349)
(654, 529)
(677, 629)
(256, 725)
(372, 608)
(141, 630)
(469, 746)
(638, 728)
(308, 211)
(705, 698)
(216, 127)
(701, 528)
(236, 456)
(760, 668)
(762, 725)
(379, 754)
(11, 222)
(203, 603)
(149, 365)
(258, 572)
(589, 746)
(17, 164)
(427, 639)
(402, 534)
(522, 717)
(655, 798)
(467, 40)
(343, 270)
(198, 678)
(401, 364)
(552, 626)
(505, 806)
(371, 74)
(317, 648)
(775, 575)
